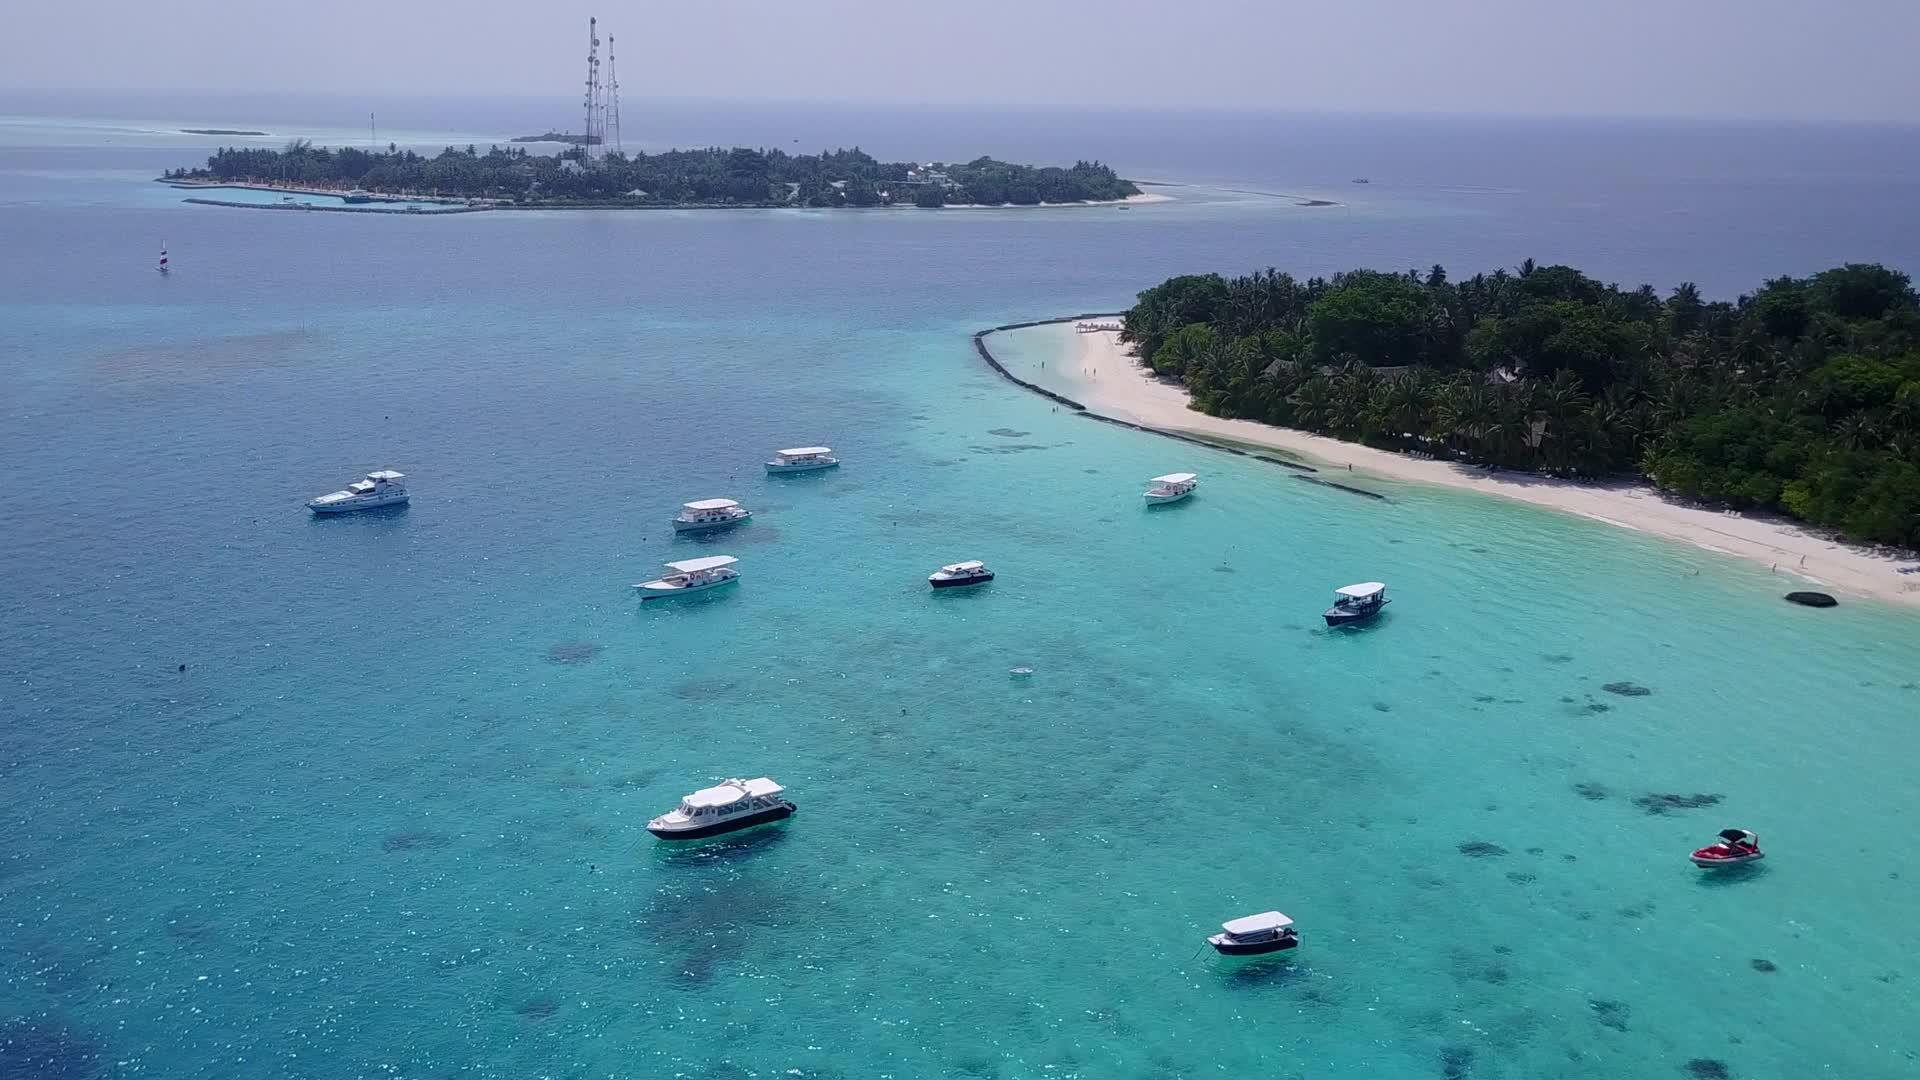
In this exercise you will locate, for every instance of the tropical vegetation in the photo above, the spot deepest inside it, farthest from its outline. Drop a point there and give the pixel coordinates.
(711, 177)
(1802, 397)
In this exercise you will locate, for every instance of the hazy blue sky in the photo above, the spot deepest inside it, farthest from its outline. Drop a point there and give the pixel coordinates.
(1851, 60)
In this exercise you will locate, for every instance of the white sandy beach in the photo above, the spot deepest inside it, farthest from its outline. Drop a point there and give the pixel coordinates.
(1104, 376)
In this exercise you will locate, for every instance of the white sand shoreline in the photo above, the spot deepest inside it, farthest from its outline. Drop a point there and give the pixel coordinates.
(1102, 375)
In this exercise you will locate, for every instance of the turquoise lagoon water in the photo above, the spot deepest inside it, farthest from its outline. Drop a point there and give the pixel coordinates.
(388, 819)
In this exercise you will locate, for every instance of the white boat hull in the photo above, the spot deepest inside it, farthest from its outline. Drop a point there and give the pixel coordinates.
(1154, 499)
(800, 466)
(663, 589)
(702, 526)
(370, 502)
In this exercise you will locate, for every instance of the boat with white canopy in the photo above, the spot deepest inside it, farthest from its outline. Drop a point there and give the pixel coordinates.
(723, 808)
(710, 514)
(960, 574)
(1170, 488)
(691, 576)
(1356, 603)
(1269, 931)
(803, 459)
(382, 488)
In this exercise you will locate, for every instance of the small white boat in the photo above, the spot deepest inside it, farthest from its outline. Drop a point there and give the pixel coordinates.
(1170, 488)
(357, 195)
(1269, 931)
(957, 575)
(163, 267)
(691, 576)
(723, 808)
(1355, 604)
(382, 488)
(803, 459)
(710, 514)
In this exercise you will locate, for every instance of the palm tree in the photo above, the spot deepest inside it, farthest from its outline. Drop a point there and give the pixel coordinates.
(1510, 432)
(1857, 431)
(1313, 404)
(1405, 407)
(1559, 403)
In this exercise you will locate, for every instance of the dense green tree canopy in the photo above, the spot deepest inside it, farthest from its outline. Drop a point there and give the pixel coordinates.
(736, 176)
(1803, 397)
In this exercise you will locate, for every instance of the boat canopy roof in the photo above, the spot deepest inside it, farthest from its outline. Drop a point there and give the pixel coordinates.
(806, 451)
(732, 791)
(965, 567)
(1734, 836)
(711, 504)
(1174, 478)
(1361, 591)
(386, 474)
(694, 566)
(1256, 924)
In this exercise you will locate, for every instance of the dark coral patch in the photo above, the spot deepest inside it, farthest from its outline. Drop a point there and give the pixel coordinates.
(1708, 1069)
(1626, 689)
(573, 652)
(1659, 803)
(40, 1049)
(1590, 791)
(538, 1009)
(1481, 849)
(1610, 1014)
(1763, 965)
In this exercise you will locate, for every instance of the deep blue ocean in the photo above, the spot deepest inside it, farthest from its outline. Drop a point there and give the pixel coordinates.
(387, 820)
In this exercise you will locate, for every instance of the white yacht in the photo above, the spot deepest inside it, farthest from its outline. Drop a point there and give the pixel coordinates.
(1170, 488)
(710, 514)
(722, 808)
(803, 459)
(971, 572)
(689, 576)
(382, 488)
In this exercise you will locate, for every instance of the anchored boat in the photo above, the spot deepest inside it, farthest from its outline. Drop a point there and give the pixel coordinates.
(710, 514)
(960, 574)
(382, 488)
(1269, 931)
(1170, 488)
(1735, 847)
(1356, 603)
(803, 459)
(691, 576)
(723, 808)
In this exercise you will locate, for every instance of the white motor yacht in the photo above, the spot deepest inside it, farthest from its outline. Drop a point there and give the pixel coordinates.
(1170, 488)
(382, 488)
(957, 575)
(710, 514)
(690, 576)
(803, 459)
(722, 808)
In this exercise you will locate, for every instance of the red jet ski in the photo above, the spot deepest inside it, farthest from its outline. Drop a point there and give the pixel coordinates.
(1736, 847)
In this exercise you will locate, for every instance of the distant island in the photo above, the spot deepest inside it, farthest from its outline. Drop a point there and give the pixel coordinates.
(714, 177)
(1801, 398)
(560, 137)
(218, 131)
